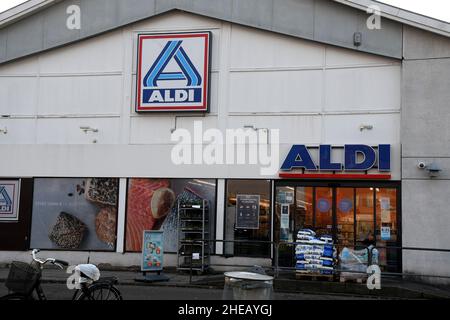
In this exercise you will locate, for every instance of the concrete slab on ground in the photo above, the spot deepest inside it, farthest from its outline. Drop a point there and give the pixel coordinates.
(285, 284)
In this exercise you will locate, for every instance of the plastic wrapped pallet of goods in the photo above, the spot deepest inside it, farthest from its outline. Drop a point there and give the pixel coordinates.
(354, 263)
(314, 257)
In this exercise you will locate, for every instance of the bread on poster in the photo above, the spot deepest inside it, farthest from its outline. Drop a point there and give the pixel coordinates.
(105, 225)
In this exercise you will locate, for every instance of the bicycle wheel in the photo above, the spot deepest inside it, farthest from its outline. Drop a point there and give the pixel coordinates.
(101, 292)
(15, 297)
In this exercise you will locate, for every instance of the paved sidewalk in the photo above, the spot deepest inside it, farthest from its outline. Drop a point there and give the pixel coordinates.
(391, 289)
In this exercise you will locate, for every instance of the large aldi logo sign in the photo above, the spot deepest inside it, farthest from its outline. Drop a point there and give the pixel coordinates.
(352, 161)
(173, 72)
(9, 200)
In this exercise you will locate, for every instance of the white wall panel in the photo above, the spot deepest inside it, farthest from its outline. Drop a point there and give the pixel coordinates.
(67, 131)
(276, 91)
(341, 129)
(80, 95)
(253, 48)
(100, 54)
(344, 57)
(214, 93)
(23, 66)
(18, 95)
(376, 88)
(293, 129)
(156, 128)
(151, 129)
(20, 131)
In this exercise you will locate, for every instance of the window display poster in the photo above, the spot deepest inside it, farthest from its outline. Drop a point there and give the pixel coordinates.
(385, 233)
(75, 214)
(247, 211)
(152, 250)
(385, 216)
(345, 205)
(9, 200)
(385, 204)
(152, 205)
(323, 205)
(284, 223)
(285, 197)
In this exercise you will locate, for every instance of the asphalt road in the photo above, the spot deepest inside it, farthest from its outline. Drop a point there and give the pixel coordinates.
(60, 292)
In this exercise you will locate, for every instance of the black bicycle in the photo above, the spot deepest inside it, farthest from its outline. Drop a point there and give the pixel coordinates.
(25, 279)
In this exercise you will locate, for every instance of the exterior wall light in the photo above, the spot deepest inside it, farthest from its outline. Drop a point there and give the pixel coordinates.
(4, 131)
(88, 129)
(266, 130)
(357, 39)
(365, 127)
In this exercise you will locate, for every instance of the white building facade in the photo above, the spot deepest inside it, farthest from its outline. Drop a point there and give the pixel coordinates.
(68, 114)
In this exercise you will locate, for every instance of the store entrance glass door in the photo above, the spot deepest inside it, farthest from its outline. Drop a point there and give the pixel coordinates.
(345, 222)
(324, 208)
(335, 211)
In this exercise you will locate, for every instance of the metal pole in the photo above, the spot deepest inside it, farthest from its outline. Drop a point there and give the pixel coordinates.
(277, 248)
(192, 255)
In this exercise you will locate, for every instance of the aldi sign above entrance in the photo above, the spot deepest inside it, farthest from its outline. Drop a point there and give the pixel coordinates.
(173, 72)
(353, 158)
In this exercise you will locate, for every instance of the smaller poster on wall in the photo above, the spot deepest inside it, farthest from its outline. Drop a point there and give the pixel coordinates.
(9, 200)
(77, 214)
(284, 223)
(385, 204)
(152, 251)
(323, 205)
(247, 211)
(345, 205)
(285, 197)
(385, 233)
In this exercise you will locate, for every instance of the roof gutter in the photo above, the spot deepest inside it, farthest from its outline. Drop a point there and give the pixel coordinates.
(24, 10)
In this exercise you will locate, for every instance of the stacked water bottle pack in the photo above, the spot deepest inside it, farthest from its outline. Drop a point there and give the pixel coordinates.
(314, 255)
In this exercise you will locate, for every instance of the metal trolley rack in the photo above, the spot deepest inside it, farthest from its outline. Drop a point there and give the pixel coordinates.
(193, 228)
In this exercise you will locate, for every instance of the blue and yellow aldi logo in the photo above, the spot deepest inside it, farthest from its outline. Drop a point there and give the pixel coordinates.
(9, 200)
(173, 72)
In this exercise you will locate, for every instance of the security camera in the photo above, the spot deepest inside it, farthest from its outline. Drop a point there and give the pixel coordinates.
(421, 165)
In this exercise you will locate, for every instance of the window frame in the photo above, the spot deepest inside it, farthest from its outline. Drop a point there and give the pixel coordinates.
(216, 180)
(271, 189)
(355, 184)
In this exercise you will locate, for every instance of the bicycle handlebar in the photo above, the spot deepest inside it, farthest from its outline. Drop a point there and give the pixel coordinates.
(59, 263)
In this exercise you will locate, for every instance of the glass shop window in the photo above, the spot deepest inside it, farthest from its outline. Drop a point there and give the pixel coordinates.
(356, 217)
(364, 216)
(152, 204)
(387, 234)
(78, 214)
(248, 218)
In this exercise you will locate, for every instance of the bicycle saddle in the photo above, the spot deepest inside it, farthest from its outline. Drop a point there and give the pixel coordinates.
(88, 272)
